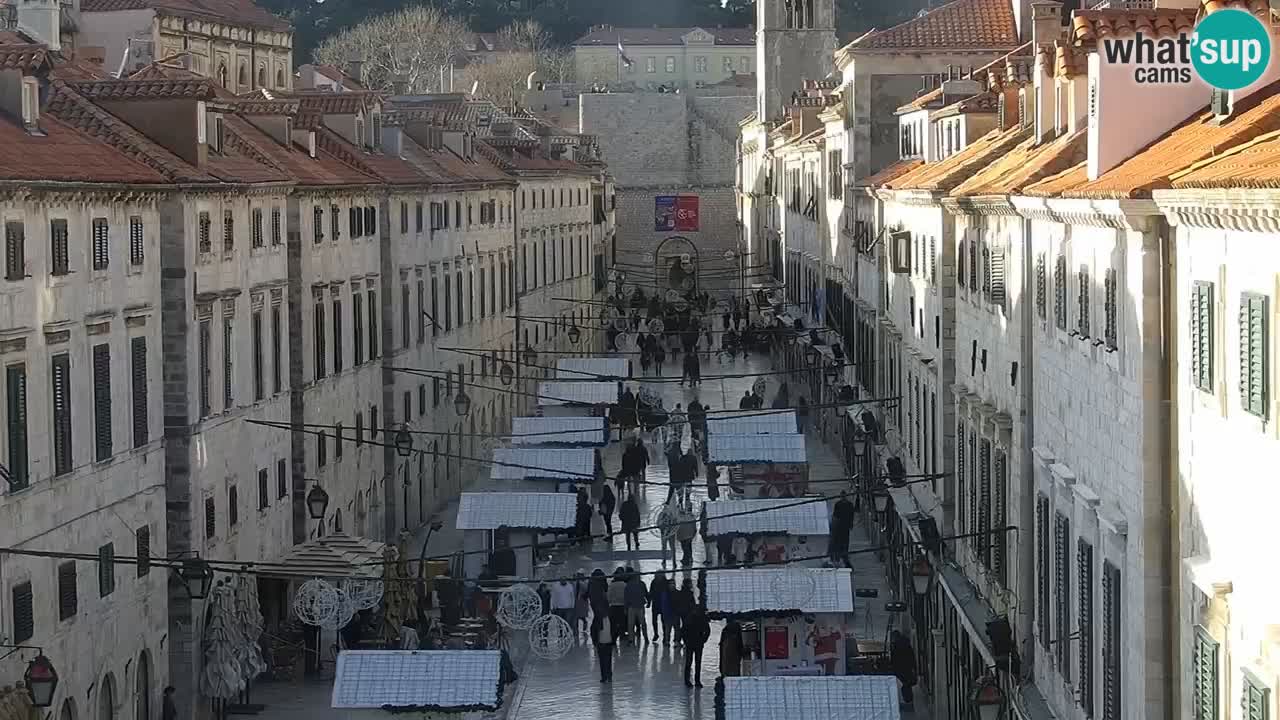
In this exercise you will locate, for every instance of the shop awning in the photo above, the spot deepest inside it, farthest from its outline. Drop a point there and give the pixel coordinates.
(764, 590)
(755, 449)
(781, 422)
(767, 516)
(442, 680)
(326, 557)
(559, 431)
(864, 697)
(577, 393)
(492, 510)
(593, 369)
(539, 463)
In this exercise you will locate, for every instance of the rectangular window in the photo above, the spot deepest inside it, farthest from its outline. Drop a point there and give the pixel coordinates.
(282, 478)
(233, 506)
(204, 340)
(1204, 676)
(318, 337)
(142, 550)
(435, 306)
(1060, 292)
(205, 244)
(996, 278)
(228, 351)
(1082, 301)
(228, 231)
(359, 428)
(671, 64)
(649, 67)
(1110, 310)
(457, 296)
(337, 336)
(422, 399)
(1042, 570)
(373, 324)
(1062, 590)
(106, 570)
(68, 598)
(210, 519)
(24, 624)
(101, 244)
(371, 221)
(16, 407)
(999, 516)
(1255, 363)
(258, 384)
(962, 253)
(482, 303)
(1255, 698)
(337, 441)
(422, 312)
(700, 64)
(1202, 335)
(435, 392)
(60, 378)
(404, 314)
(264, 492)
(417, 217)
(408, 406)
(373, 422)
(357, 327)
(276, 235)
(1084, 624)
(322, 449)
(255, 230)
(982, 543)
(276, 339)
(137, 245)
(59, 256)
(138, 391)
(404, 218)
(353, 222)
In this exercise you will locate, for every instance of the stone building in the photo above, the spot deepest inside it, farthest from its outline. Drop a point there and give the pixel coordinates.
(675, 58)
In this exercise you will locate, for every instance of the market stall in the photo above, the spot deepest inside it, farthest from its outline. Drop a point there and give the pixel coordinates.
(506, 527)
(772, 529)
(590, 369)
(566, 466)
(859, 697)
(793, 620)
(577, 399)
(761, 465)
(771, 423)
(465, 684)
(560, 431)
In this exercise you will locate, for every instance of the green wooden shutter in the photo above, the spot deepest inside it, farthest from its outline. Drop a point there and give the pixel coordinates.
(1204, 674)
(1041, 287)
(982, 543)
(1110, 329)
(960, 477)
(1061, 558)
(1042, 569)
(1084, 584)
(1060, 292)
(1255, 699)
(997, 272)
(1110, 642)
(1253, 353)
(1201, 334)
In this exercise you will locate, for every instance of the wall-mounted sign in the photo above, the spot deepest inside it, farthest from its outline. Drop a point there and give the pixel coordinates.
(776, 643)
(675, 213)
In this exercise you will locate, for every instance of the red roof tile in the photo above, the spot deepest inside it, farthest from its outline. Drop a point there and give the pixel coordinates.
(444, 167)
(896, 170)
(389, 169)
(65, 154)
(200, 89)
(1253, 165)
(78, 69)
(946, 174)
(1197, 139)
(242, 159)
(331, 103)
(1090, 26)
(232, 12)
(24, 56)
(1259, 8)
(977, 24)
(1024, 165)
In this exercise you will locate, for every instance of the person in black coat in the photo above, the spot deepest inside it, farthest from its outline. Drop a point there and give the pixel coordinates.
(629, 515)
(903, 661)
(841, 523)
(607, 503)
(696, 632)
(682, 605)
(582, 517)
(604, 638)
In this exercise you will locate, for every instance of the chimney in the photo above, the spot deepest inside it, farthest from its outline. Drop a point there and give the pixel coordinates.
(355, 70)
(1008, 100)
(1046, 22)
(1047, 29)
(392, 140)
(42, 20)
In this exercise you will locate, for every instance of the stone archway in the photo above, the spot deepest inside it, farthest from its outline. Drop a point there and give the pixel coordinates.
(142, 696)
(68, 710)
(107, 698)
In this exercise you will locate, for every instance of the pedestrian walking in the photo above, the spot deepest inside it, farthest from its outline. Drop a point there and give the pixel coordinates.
(636, 599)
(782, 399)
(660, 596)
(618, 603)
(564, 600)
(667, 519)
(696, 632)
(659, 355)
(602, 637)
(607, 501)
(708, 544)
(713, 483)
(802, 414)
(841, 523)
(645, 359)
(629, 516)
(902, 659)
(746, 403)
(688, 472)
(634, 461)
(582, 604)
(731, 649)
(169, 706)
(682, 606)
(685, 532)
(582, 518)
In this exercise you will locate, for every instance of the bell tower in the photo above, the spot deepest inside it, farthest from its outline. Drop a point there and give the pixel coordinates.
(795, 41)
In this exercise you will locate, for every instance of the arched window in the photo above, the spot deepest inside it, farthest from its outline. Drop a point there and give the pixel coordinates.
(337, 520)
(68, 710)
(808, 14)
(142, 698)
(280, 78)
(107, 698)
(242, 75)
(262, 77)
(222, 74)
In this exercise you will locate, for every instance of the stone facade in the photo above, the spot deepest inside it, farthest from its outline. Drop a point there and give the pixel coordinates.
(694, 60)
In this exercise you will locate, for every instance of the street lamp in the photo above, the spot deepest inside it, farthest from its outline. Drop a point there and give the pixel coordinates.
(988, 699)
(530, 355)
(506, 374)
(462, 403)
(317, 502)
(404, 441)
(833, 373)
(42, 681)
(881, 497)
(197, 576)
(574, 333)
(921, 575)
(811, 356)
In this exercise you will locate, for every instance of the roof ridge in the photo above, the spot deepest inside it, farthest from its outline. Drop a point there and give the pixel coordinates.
(989, 24)
(1229, 152)
(251, 148)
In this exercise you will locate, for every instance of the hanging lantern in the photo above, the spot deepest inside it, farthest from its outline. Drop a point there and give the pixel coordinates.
(42, 681)
(197, 576)
(574, 334)
(404, 441)
(530, 355)
(921, 575)
(988, 699)
(811, 356)
(506, 374)
(317, 502)
(833, 373)
(462, 403)
(881, 498)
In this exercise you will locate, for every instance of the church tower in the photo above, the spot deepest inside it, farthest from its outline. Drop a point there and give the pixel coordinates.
(795, 41)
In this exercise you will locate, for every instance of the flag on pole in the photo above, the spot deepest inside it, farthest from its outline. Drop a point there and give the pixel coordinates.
(622, 53)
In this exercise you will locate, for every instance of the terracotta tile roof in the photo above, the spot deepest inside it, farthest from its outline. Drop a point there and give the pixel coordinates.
(1069, 62)
(77, 69)
(444, 167)
(388, 169)
(1252, 165)
(13, 37)
(1199, 138)
(1090, 26)
(331, 103)
(246, 106)
(979, 24)
(663, 36)
(65, 154)
(335, 74)
(23, 56)
(199, 89)
(979, 74)
(946, 174)
(164, 70)
(231, 12)
(516, 161)
(888, 174)
(987, 102)
(295, 161)
(1024, 165)
(1259, 8)
(932, 97)
(243, 159)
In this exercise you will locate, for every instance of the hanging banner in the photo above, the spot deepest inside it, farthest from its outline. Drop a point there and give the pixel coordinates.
(664, 213)
(687, 213)
(776, 643)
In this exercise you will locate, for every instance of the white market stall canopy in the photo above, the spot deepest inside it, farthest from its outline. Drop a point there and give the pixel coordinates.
(559, 431)
(577, 393)
(767, 516)
(331, 556)
(863, 697)
(764, 590)
(492, 510)
(755, 449)
(778, 422)
(539, 463)
(373, 679)
(593, 369)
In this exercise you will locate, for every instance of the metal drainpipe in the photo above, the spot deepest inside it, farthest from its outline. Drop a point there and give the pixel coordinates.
(1168, 291)
(1026, 505)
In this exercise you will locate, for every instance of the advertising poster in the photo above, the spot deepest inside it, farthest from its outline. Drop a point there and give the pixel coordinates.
(687, 213)
(775, 643)
(664, 213)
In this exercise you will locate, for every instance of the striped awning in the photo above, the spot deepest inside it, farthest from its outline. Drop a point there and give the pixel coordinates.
(755, 449)
(559, 431)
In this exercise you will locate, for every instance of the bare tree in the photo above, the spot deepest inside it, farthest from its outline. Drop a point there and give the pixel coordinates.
(502, 78)
(416, 44)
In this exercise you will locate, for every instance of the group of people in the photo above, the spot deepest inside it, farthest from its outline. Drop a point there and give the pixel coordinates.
(618, 608)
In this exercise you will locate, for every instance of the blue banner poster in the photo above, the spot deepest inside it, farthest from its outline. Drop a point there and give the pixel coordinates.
(664, 213)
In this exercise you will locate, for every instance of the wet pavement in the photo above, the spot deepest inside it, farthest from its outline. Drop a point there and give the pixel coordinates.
(648, 678)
